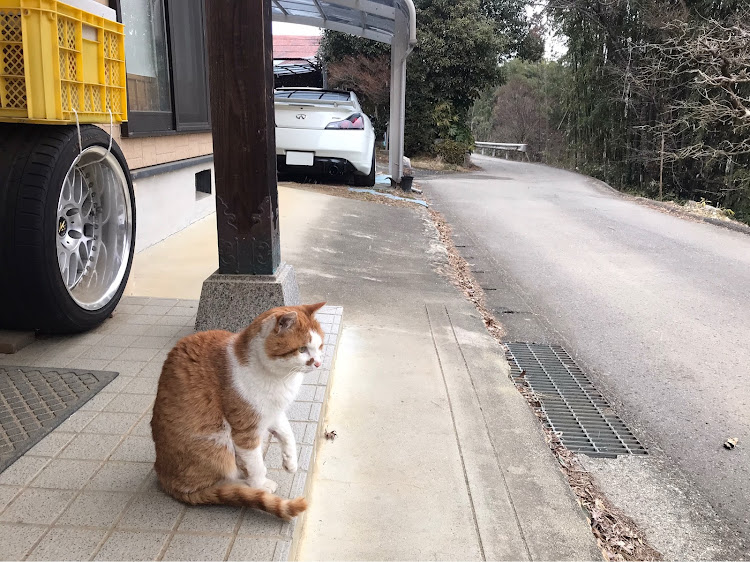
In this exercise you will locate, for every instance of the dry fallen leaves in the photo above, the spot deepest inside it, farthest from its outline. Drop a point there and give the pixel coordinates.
(331, 435)
(460, 274)
(616, 534)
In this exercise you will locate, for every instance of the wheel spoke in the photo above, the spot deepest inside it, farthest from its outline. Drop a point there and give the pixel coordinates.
(88, 281)
(87, 204)
(94, 280)
(78, 189)
(69, 257)
(83, 252)
(66, 194)
(74, 269)
(62, 261)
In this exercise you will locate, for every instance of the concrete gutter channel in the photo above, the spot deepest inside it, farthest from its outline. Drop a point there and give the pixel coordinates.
(523, 508)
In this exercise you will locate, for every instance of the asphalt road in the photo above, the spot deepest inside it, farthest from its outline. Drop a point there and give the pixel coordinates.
(656, 308)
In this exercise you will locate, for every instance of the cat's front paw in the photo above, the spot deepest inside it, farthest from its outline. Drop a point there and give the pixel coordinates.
(289, 463)
(269, 486)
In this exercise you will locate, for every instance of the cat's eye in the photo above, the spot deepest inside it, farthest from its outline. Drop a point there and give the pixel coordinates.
(302, 349)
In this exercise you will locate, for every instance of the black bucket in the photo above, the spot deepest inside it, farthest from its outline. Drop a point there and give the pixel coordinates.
(406, 182)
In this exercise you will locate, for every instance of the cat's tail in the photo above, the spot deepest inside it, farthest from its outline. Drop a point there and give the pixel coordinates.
(243, 495)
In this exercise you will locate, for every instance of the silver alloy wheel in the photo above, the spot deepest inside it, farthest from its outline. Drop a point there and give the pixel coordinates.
(94, 228)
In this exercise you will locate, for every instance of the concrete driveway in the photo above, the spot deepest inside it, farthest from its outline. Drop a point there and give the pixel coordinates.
(655, 307)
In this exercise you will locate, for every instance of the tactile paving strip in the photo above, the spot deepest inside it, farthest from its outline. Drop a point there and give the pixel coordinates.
(35, 401)
(574, 409)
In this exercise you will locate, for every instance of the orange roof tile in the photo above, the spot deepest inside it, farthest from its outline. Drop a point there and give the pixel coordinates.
(295, 46)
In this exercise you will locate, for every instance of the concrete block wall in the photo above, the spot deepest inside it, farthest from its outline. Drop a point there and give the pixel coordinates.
(167, 203)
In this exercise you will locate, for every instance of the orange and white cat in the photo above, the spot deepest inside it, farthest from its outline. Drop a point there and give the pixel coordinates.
(219, 395)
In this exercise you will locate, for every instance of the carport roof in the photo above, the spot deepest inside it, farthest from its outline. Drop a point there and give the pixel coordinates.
(373, 19)
(288, 67)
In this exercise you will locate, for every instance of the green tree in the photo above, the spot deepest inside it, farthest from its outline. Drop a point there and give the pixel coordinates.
(658, 95)
(510, 21)
(455, 60)
(480, 116)
(370, 78)
(527, 109)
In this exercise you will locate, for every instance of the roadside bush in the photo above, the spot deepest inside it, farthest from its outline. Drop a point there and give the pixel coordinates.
(456, 57)
(452, 152)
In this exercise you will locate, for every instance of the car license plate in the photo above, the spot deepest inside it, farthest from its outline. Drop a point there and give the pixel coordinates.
(300, 158)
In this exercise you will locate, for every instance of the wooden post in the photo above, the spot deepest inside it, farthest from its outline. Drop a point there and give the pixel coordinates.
(240, 56)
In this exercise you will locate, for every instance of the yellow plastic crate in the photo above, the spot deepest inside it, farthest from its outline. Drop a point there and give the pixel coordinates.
(56, 58)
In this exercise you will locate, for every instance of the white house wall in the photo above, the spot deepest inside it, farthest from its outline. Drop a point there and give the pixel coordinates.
(167, 203)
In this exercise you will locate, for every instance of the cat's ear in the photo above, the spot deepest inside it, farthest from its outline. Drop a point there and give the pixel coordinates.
(313, 308)
(286, 321)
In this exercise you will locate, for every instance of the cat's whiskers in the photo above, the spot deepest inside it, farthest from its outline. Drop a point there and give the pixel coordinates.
(292, 372)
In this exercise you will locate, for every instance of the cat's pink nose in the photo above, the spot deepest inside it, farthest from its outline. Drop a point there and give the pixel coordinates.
(317, 363)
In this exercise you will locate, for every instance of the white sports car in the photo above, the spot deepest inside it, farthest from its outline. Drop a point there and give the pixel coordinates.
(324, 132)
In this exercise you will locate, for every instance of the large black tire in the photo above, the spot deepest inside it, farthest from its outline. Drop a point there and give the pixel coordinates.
(369, 179)
(34, 162)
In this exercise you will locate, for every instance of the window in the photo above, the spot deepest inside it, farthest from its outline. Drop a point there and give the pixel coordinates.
(188, 43)
(165, 57)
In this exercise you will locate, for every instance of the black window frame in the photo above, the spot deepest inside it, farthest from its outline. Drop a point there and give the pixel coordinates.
(195, 96)
(165, 123)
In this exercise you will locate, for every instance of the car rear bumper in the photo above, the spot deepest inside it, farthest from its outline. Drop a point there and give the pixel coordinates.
(322, 166)
(330, 147)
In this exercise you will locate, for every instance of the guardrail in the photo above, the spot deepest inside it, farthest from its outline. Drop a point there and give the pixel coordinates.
(495, 146)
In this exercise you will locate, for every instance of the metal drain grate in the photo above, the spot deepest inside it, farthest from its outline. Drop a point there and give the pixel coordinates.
(572, 406)
(34, 401)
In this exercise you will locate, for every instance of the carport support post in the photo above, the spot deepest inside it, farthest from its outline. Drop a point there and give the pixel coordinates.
(251, 277)
(398, 96)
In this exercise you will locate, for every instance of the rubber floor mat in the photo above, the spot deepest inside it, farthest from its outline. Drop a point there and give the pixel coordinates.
(34, 401)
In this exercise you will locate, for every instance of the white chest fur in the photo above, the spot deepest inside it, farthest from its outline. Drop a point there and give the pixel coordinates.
(268, 388)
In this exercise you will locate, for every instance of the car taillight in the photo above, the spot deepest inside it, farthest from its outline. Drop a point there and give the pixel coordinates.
(354, 121)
